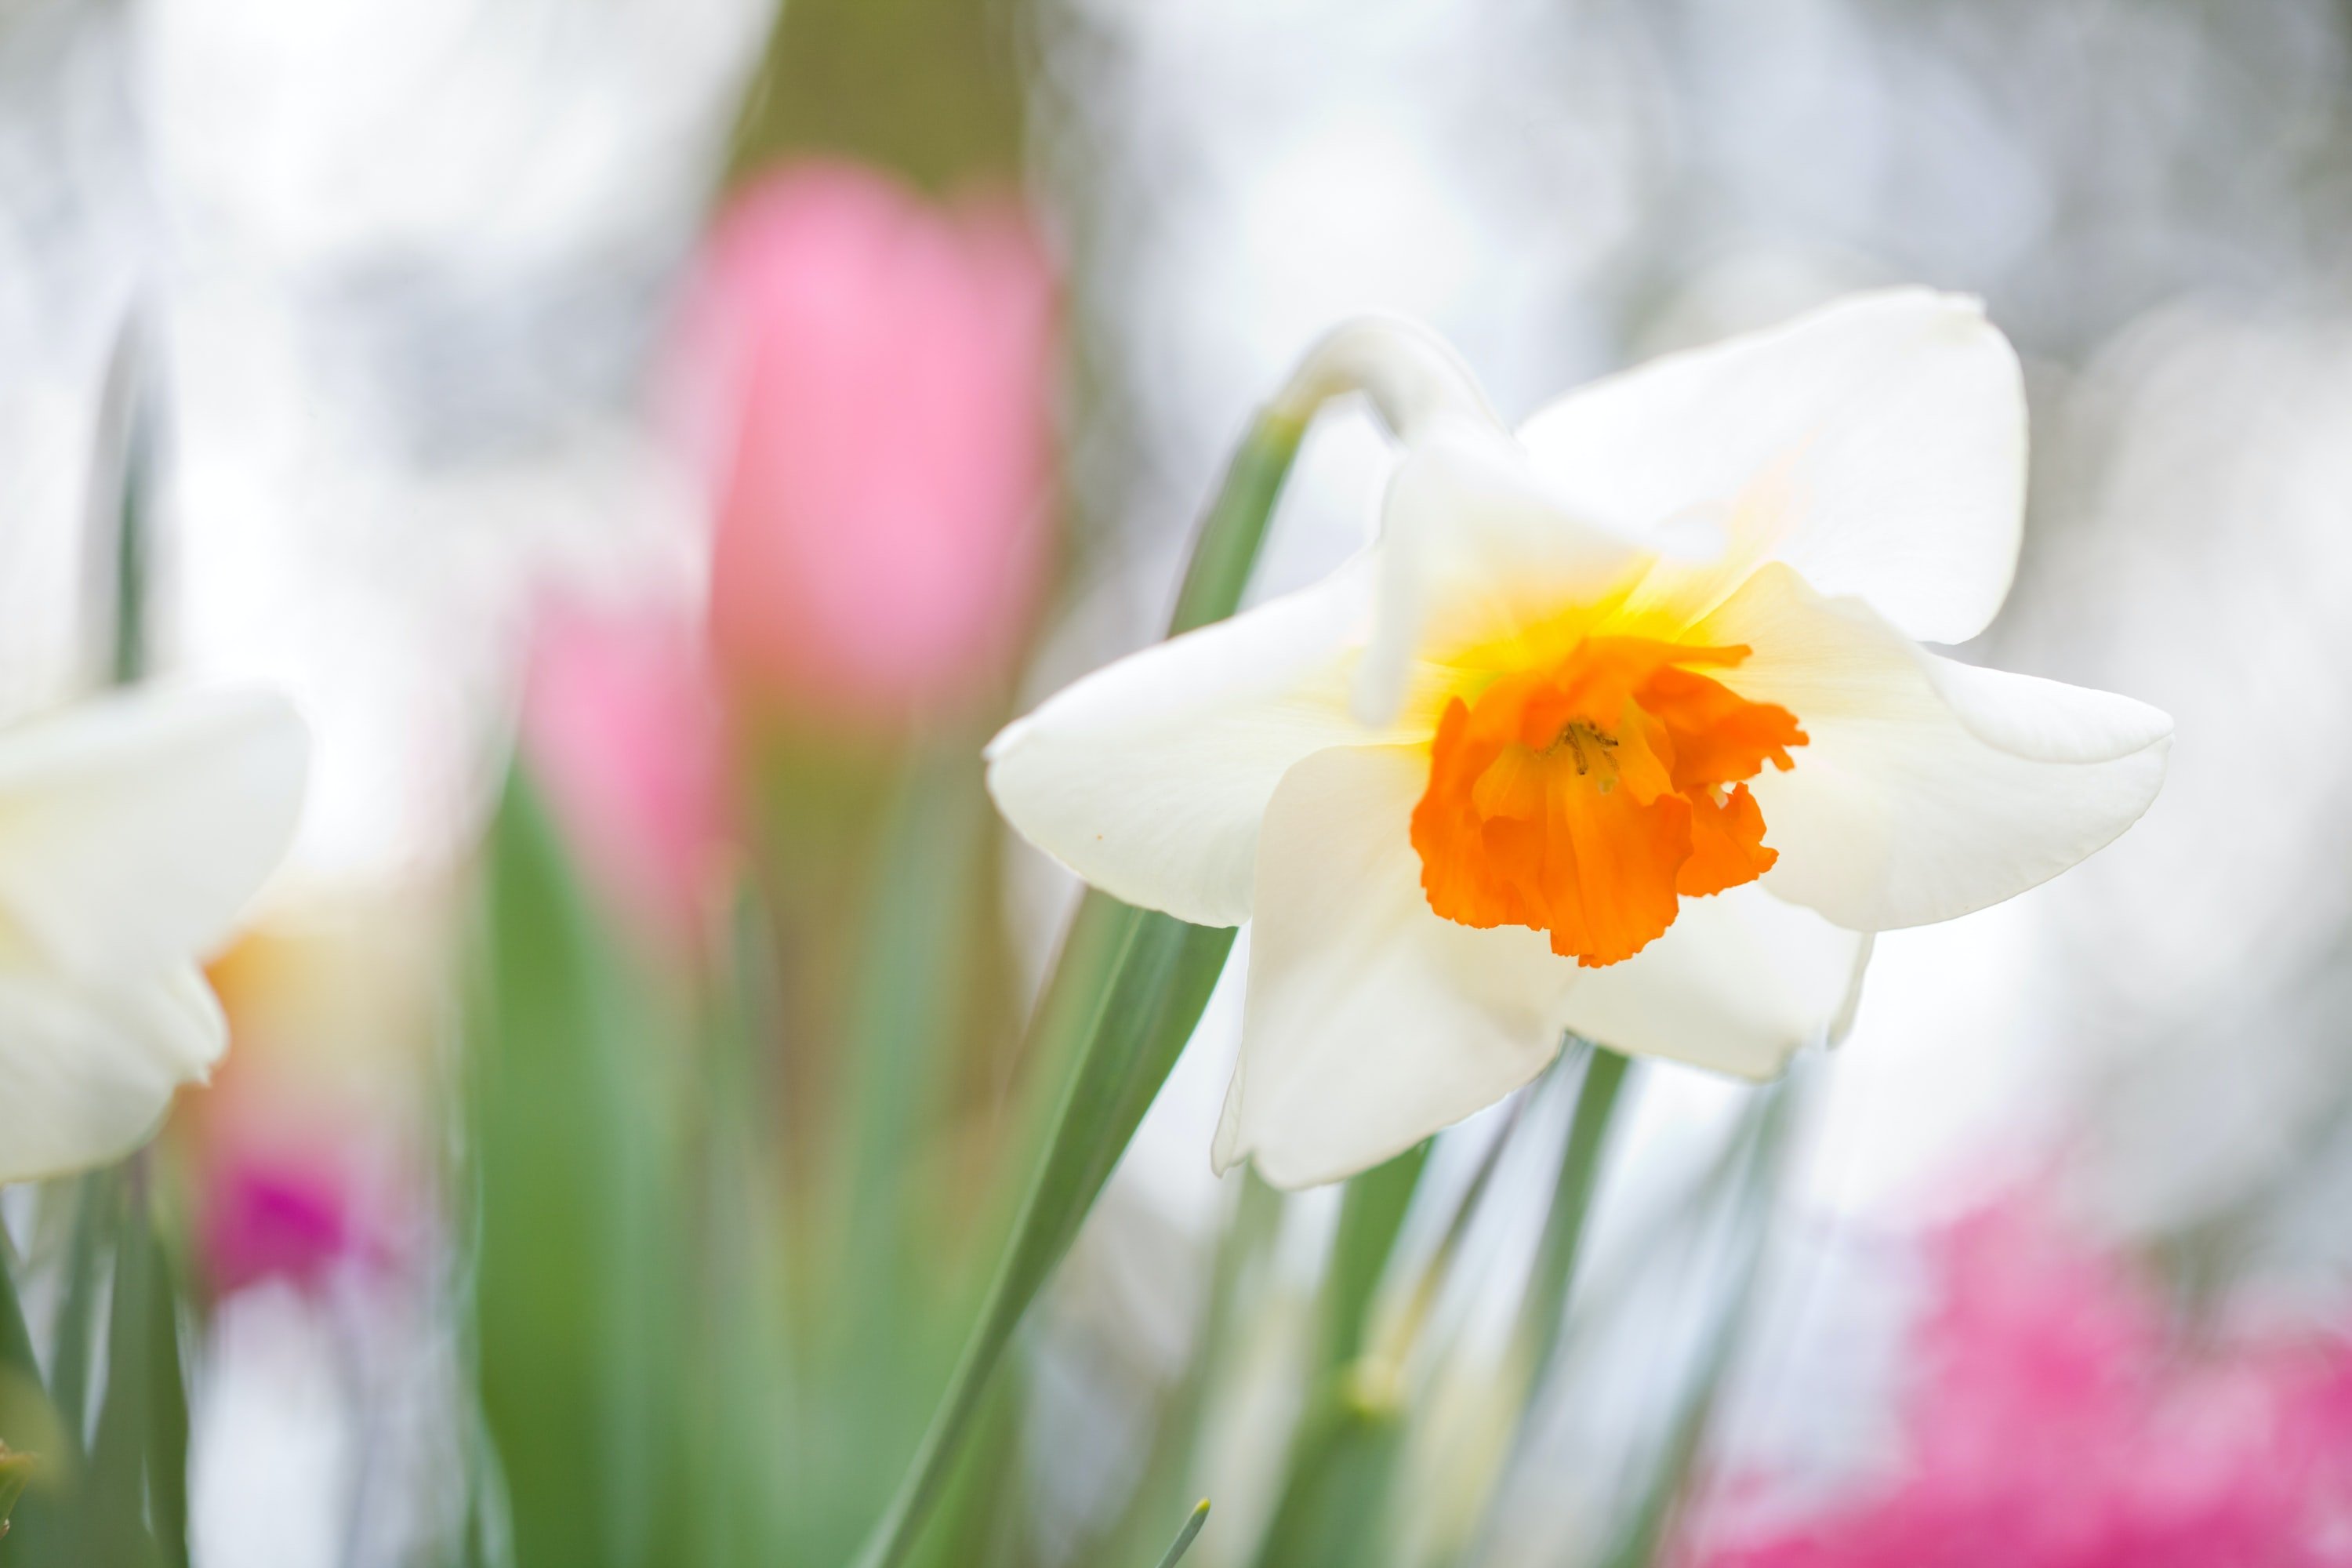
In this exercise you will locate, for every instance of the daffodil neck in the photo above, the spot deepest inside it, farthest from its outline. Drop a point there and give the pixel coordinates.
(1413, 379)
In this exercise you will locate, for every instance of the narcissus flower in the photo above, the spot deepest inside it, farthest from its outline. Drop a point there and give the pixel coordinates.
(133, 830)
(1621, 727)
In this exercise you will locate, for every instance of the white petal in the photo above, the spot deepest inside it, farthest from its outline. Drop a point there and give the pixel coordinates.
(1148, 777)
(1738, 983)
(1475, 548)
(1888, 429)
(1369, 1022)
(135, 828)
(1929, 788)
(90, 1072)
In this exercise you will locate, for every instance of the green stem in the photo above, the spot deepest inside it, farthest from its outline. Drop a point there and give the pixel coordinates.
(1226, 547)
(1399, 1328)
(1160, 980)
(932, 837)
(17, 1357)
(1755, 1172)
(127, 663)
(167, 1422)
(1543, 1309)
(97, 1201)
(1333, 1509)
(1242, 1253)
(110, 1507)
(1144, 1005)
(1563, 1237)
(15, 1470)
(1372, 1214)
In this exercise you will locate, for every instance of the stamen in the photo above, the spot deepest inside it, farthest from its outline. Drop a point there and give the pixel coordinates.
(1573, 735)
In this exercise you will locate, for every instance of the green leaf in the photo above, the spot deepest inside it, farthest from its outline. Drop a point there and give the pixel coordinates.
(15, 1470)
(1333, 1505)
(982, 1505)
(1132, 1017)
(736, 1324)
(1371, 1216)
(1333, 1496)
(573, 1266)
(1554, 1273)
(1334, 1508)
(1226, 547)
(1185, 1537)
(1543, 1309)
(46, 1525)
(1243, 1250)
(111, 1506)
(121, 483)
(97, 1198)
(25, 1413)
(1154, 1002)
(18, 1361)
(167, 1419)
(911, 981)
(1159, 982)
(1753, 1176)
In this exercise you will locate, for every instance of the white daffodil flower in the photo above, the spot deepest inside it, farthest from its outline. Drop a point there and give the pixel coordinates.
(134, 829)
(1622, 726)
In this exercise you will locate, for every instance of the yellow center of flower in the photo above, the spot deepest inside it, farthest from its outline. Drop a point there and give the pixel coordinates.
(1587, 797)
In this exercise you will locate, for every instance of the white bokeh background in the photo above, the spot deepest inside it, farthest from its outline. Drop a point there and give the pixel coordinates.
(401, 265)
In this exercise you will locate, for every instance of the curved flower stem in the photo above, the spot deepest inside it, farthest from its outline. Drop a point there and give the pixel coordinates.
(1412, 376)
(1132, 1009)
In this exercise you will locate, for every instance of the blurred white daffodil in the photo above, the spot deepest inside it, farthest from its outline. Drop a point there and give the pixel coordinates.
(1620, 728)
(134, 829)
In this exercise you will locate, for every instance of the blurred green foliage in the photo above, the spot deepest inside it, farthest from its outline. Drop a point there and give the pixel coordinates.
(928, 89)
(115, 1496)
(576, 1284)
(113, 1492)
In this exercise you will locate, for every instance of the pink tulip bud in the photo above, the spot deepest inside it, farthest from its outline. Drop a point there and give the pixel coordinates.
(622, 732)
(869, 379)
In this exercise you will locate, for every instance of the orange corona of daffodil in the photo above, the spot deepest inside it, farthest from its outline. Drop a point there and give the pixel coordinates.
(1621, 726)
(1587, 797)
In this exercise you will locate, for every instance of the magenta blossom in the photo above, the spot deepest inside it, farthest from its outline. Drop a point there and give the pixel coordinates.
(276, 1218)
(2059, 1421)
(622, 732)
(870, 379)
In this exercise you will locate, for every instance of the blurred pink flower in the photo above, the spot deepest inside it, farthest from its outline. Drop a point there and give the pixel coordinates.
(623, 732)
(276, 1218)
(869, 377)
(2058, 1422)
